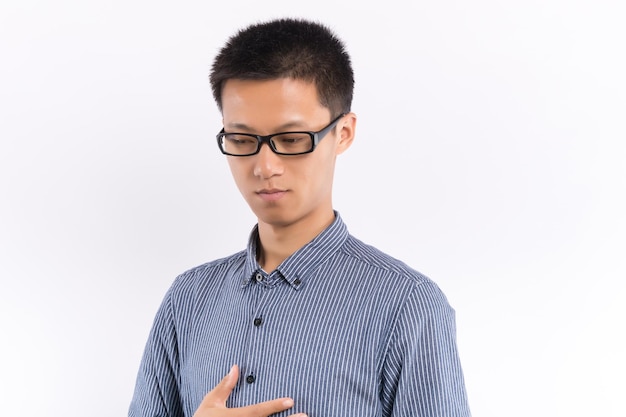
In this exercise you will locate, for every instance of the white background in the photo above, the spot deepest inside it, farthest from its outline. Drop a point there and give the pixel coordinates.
(489, 156)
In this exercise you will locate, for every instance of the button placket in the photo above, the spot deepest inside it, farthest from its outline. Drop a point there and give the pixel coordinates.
(257, 334)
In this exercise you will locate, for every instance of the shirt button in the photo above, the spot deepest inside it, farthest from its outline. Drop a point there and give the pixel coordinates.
(250, 379)
(258, 321)
(259, 277)
(297, 281)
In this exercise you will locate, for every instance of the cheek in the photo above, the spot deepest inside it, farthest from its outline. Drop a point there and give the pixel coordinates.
(237, 170)
(319, 174)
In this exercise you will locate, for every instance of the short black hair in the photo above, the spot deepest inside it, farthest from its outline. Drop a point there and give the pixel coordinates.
(288, 48)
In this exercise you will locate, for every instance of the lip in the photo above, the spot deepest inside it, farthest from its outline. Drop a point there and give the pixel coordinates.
(272, 194)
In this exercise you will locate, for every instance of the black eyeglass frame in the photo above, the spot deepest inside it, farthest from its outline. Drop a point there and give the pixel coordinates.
(316, 137)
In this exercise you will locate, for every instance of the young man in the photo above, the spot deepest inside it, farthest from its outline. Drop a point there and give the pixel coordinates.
(307, 320)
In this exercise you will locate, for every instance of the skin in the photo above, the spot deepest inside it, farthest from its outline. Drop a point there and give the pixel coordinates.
(291, 196)
(214, 403)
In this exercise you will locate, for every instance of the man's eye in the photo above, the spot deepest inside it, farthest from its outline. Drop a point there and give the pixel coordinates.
(290, 140)
(240, 140)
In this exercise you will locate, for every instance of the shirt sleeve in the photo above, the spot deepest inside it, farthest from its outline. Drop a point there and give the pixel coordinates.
(157, 385)
(422, 375)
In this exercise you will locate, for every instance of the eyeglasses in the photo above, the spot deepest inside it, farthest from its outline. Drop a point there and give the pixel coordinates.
(283, 143)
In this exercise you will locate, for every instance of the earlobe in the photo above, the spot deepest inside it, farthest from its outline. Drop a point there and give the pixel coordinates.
(346, 132)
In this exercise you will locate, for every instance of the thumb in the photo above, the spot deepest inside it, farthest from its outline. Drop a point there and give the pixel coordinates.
(216, 398)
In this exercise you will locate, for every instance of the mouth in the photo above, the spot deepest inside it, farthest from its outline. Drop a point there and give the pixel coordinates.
(272, 194)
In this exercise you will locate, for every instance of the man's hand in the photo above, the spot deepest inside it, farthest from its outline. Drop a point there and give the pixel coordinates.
(214, 403)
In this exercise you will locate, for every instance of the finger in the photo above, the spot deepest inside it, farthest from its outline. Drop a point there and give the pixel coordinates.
(219, 394)
(268, 408)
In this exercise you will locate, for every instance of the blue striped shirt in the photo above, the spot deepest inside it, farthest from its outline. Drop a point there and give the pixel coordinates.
(342, 328)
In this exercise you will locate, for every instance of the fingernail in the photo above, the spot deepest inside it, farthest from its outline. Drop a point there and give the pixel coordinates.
(288, 402)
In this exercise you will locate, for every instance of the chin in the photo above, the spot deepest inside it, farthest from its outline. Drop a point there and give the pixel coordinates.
(278, 218)
(277, 221)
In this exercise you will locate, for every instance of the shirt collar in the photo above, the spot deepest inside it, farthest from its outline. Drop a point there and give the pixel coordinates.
(298, 267)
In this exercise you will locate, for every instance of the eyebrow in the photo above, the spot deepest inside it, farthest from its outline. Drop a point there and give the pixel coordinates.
(298, 125)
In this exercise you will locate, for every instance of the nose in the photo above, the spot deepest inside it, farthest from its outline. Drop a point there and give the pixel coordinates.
(267, 163)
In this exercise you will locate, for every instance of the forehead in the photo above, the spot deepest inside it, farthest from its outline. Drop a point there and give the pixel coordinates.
(259, 103)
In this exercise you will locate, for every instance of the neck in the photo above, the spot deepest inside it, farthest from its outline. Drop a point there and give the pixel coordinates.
(278, 242)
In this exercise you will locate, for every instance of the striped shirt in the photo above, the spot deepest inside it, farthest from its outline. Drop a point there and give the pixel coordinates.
(342, 328)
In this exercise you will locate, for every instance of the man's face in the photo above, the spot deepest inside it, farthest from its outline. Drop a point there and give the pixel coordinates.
(284, 190)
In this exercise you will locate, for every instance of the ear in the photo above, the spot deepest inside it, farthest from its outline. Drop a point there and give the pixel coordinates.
(346, 129)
